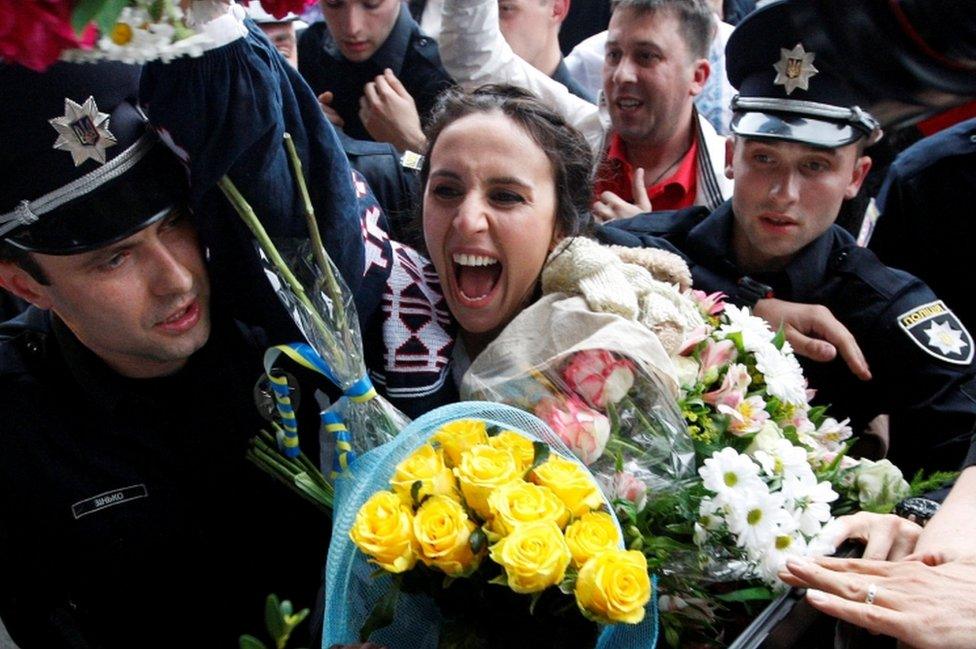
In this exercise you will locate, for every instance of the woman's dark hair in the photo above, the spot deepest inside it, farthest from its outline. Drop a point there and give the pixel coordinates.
(568, 152)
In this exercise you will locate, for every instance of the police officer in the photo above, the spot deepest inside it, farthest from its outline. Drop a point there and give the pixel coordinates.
(796, 155)
(355, 44)
(129, 515)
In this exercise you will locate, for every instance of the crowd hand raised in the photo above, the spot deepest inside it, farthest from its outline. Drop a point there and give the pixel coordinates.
(389, 113)
(921, 604)
(609, 206)
(814, 332)
(325, 101)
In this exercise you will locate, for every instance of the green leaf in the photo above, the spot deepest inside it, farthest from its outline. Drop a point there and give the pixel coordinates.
(250, 642)
(382, 614)
(273, 620)
(671, 637)
(415, 492)
(779, 338)
(493, 430)
(746, 595)
(568, 584)
(286, 609)
(500, 580)
(539, 456)
(103, 12)
(533, 601)
(922, 484)
(478, 540)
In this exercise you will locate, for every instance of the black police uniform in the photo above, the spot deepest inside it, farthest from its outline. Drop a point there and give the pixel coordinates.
(926, 204)
(129, 512)
(911, 376)
(409, 53)
(920, 355)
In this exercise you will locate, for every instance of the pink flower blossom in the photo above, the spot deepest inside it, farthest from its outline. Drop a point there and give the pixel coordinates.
(692, 339)
(733, 388)
(281, 8)
(599, 377)
(716, 355)
(709, 304)
(746, 417)
(584, 430)
(626, 486)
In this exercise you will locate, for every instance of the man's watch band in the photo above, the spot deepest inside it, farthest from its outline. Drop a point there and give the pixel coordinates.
(917, 510)
(750, 291)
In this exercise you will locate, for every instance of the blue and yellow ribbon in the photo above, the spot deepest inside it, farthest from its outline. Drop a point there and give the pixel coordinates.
(360, 391)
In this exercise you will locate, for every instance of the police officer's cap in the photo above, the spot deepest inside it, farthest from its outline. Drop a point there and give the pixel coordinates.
(79, 169)
(783, 93)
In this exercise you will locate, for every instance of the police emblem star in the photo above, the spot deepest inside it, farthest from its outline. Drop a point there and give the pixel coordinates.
(937, 330)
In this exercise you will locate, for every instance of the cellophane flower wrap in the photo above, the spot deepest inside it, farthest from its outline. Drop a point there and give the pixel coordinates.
(331, 328)
(602, 383)
(477, 527)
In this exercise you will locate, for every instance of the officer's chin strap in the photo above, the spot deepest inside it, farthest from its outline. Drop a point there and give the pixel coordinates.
(360, 391)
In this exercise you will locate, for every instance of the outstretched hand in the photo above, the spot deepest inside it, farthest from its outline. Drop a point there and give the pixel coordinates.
(925, 604)
(814, 332)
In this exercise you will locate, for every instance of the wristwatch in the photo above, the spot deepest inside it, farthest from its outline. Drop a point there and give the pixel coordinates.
(751, 291)
(917, 510)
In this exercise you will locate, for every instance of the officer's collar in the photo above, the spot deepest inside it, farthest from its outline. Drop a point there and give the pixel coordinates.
(393, 50)
(710, 244)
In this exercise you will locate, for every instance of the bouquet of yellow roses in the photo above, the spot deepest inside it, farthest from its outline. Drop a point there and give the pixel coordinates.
(474, 514)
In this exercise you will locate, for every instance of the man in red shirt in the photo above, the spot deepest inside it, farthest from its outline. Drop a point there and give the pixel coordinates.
(657, 152)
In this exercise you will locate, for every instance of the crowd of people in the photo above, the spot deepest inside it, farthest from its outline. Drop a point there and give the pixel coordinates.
(450, 145)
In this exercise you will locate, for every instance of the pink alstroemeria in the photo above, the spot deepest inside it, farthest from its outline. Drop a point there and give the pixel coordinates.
(584, 430)
(733, 388)
(599, 377)
(691, 340)
(748, 416)
(716, 355)
(626, 486)
(709, 304)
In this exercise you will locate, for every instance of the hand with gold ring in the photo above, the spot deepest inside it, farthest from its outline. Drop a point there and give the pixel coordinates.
(922, 603)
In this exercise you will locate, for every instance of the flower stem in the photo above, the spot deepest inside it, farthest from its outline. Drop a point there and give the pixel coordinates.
(318, 250)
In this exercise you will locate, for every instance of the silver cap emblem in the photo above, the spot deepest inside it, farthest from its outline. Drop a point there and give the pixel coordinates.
(794, 69)
(83, 131)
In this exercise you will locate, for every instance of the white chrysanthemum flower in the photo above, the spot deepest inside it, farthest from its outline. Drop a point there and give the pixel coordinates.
(780, 459)
(758, 517)
(810, 501)
(772, 558)
(731, 475)
(783, 375)
(832, 433)
(826, 541)
(755, 331)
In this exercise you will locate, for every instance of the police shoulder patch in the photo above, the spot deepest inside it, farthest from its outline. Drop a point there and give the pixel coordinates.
(937, 330)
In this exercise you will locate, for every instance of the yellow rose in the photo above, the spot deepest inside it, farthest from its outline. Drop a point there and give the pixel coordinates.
(427, 466)
(614, 587)
(534, 556)
(591, 534)
(520, 447)
(458, 436)
(443, 532)
(482, 470)
(570, 482)
(384, 530)
(519, 502)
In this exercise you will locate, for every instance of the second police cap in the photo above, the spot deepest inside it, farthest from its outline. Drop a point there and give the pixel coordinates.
(783, 94)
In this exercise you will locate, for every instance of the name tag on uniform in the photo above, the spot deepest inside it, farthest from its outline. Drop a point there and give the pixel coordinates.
(108, 499)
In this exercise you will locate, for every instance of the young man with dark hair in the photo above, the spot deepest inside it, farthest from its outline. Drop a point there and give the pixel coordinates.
(129, 514)
(369, 56)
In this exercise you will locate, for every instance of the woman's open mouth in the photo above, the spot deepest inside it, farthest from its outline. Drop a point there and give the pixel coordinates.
(476, 277)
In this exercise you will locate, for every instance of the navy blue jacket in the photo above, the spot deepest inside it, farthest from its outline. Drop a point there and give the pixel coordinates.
(869, 299)
(412, 55)
(926, 225)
